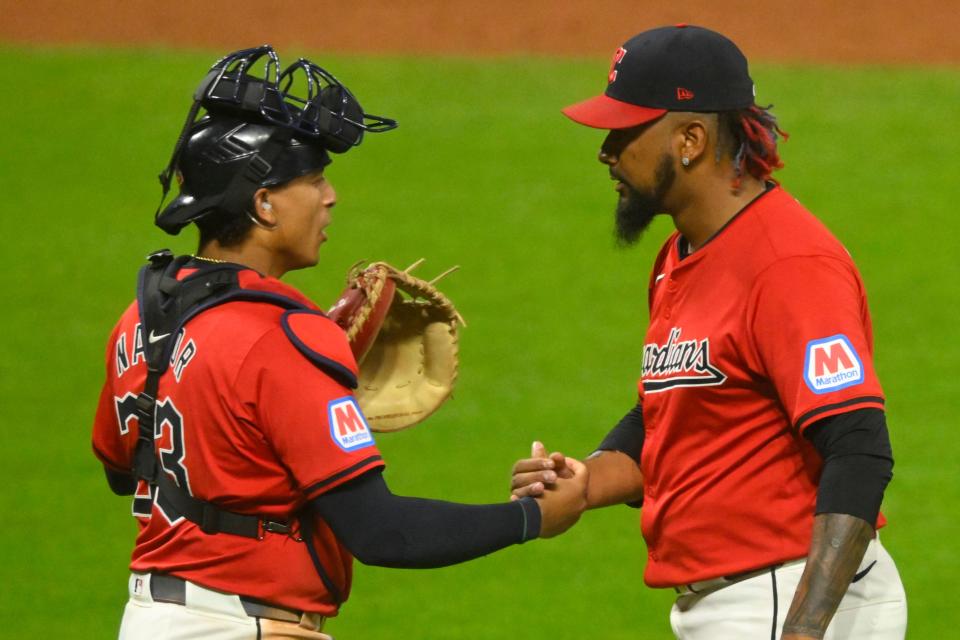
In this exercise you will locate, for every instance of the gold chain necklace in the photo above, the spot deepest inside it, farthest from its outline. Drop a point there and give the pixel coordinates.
(211, 260)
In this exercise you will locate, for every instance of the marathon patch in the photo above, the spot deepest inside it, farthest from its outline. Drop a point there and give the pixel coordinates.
(831, 364)
(348, 427)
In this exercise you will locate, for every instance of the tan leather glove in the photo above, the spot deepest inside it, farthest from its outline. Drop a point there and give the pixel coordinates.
(403, 332)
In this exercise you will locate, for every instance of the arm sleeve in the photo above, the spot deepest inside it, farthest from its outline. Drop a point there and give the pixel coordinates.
(810, 335)
(857, 462)
(627, 437)
(386, 530)
(122, 484)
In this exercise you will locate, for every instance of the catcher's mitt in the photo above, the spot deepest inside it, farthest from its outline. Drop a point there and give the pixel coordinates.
(403, 333)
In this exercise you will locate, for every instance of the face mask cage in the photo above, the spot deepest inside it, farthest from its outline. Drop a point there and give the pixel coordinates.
(230, 87)
(328, 112)
(329, 109)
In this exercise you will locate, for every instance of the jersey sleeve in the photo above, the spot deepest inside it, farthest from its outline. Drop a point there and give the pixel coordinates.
(108, 438)
(810, 335)
(309, 417)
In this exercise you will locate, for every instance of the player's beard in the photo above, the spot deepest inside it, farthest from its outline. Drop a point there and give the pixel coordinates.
(637, 207)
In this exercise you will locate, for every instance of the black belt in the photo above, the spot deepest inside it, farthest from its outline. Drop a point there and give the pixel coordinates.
(167, 588)
(706, 586)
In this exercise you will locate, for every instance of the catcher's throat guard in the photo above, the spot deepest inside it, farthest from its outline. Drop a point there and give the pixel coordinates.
(404, 334)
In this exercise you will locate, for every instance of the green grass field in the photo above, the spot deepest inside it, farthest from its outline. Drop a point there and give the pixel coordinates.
(483, 172)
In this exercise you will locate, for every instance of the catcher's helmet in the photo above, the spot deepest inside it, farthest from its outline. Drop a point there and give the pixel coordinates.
(256, 133)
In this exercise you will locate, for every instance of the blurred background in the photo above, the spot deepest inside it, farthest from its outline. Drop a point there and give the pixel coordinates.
(483, 172)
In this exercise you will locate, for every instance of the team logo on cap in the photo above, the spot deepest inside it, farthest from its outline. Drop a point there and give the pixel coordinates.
(831, 364)
(679, 363)
(348, 427)
(617, 57)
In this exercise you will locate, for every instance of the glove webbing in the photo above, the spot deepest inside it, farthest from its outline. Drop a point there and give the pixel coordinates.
(418, 288)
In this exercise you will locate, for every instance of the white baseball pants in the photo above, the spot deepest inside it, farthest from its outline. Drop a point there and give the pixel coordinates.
(207, 614)
(874, 608)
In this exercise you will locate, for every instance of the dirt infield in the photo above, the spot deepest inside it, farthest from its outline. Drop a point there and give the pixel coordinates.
(838, 31)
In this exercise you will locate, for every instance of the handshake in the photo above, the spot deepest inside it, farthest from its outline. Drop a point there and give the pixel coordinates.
(557, 483)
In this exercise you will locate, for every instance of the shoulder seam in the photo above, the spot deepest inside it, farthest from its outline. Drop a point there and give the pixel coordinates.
(253, 345)
(797, 256)
(748, 322)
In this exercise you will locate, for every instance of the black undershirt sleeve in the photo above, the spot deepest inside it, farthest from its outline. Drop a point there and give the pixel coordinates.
(386, 530)
(857, 462)
(627, 436)
(122, 484)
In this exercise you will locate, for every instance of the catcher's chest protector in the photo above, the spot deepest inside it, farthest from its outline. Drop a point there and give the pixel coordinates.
(165, 304)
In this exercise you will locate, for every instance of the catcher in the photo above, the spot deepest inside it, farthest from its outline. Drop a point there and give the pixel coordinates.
(228, 411)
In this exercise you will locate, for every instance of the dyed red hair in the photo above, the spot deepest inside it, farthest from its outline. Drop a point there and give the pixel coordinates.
(754, 133)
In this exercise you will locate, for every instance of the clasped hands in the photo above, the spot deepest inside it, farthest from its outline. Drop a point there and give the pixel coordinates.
(559, 485)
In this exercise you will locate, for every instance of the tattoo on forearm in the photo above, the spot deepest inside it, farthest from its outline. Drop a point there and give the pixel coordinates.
(836, 550)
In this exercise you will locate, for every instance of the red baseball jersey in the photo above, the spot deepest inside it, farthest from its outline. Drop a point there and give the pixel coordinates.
(247, 421)
(753, 337)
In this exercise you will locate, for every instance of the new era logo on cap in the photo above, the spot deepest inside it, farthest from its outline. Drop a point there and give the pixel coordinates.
(684, 94)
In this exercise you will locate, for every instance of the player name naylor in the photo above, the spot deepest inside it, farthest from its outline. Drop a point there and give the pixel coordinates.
(679, 363)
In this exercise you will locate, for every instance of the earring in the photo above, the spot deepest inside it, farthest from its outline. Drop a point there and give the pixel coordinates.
(685, 161)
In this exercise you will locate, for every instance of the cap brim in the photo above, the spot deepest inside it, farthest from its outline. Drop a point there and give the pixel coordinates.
(603, 112)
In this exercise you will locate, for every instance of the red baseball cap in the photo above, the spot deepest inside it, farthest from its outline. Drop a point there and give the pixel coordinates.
(679, 68)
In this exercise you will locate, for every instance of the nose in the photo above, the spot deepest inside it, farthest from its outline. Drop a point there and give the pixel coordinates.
(607, 154)
(329, 196)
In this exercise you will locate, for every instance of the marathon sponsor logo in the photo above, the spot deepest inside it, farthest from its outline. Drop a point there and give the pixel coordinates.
(348, 427)
(679, 363)
(831, 364)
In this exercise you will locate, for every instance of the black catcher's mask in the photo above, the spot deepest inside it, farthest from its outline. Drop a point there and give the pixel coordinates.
(256, 133)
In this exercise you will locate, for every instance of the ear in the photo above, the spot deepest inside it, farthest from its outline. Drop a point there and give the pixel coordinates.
(692, 139)
(263, 209)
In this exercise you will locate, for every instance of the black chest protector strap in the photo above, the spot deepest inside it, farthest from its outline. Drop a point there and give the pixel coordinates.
(165, 305)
